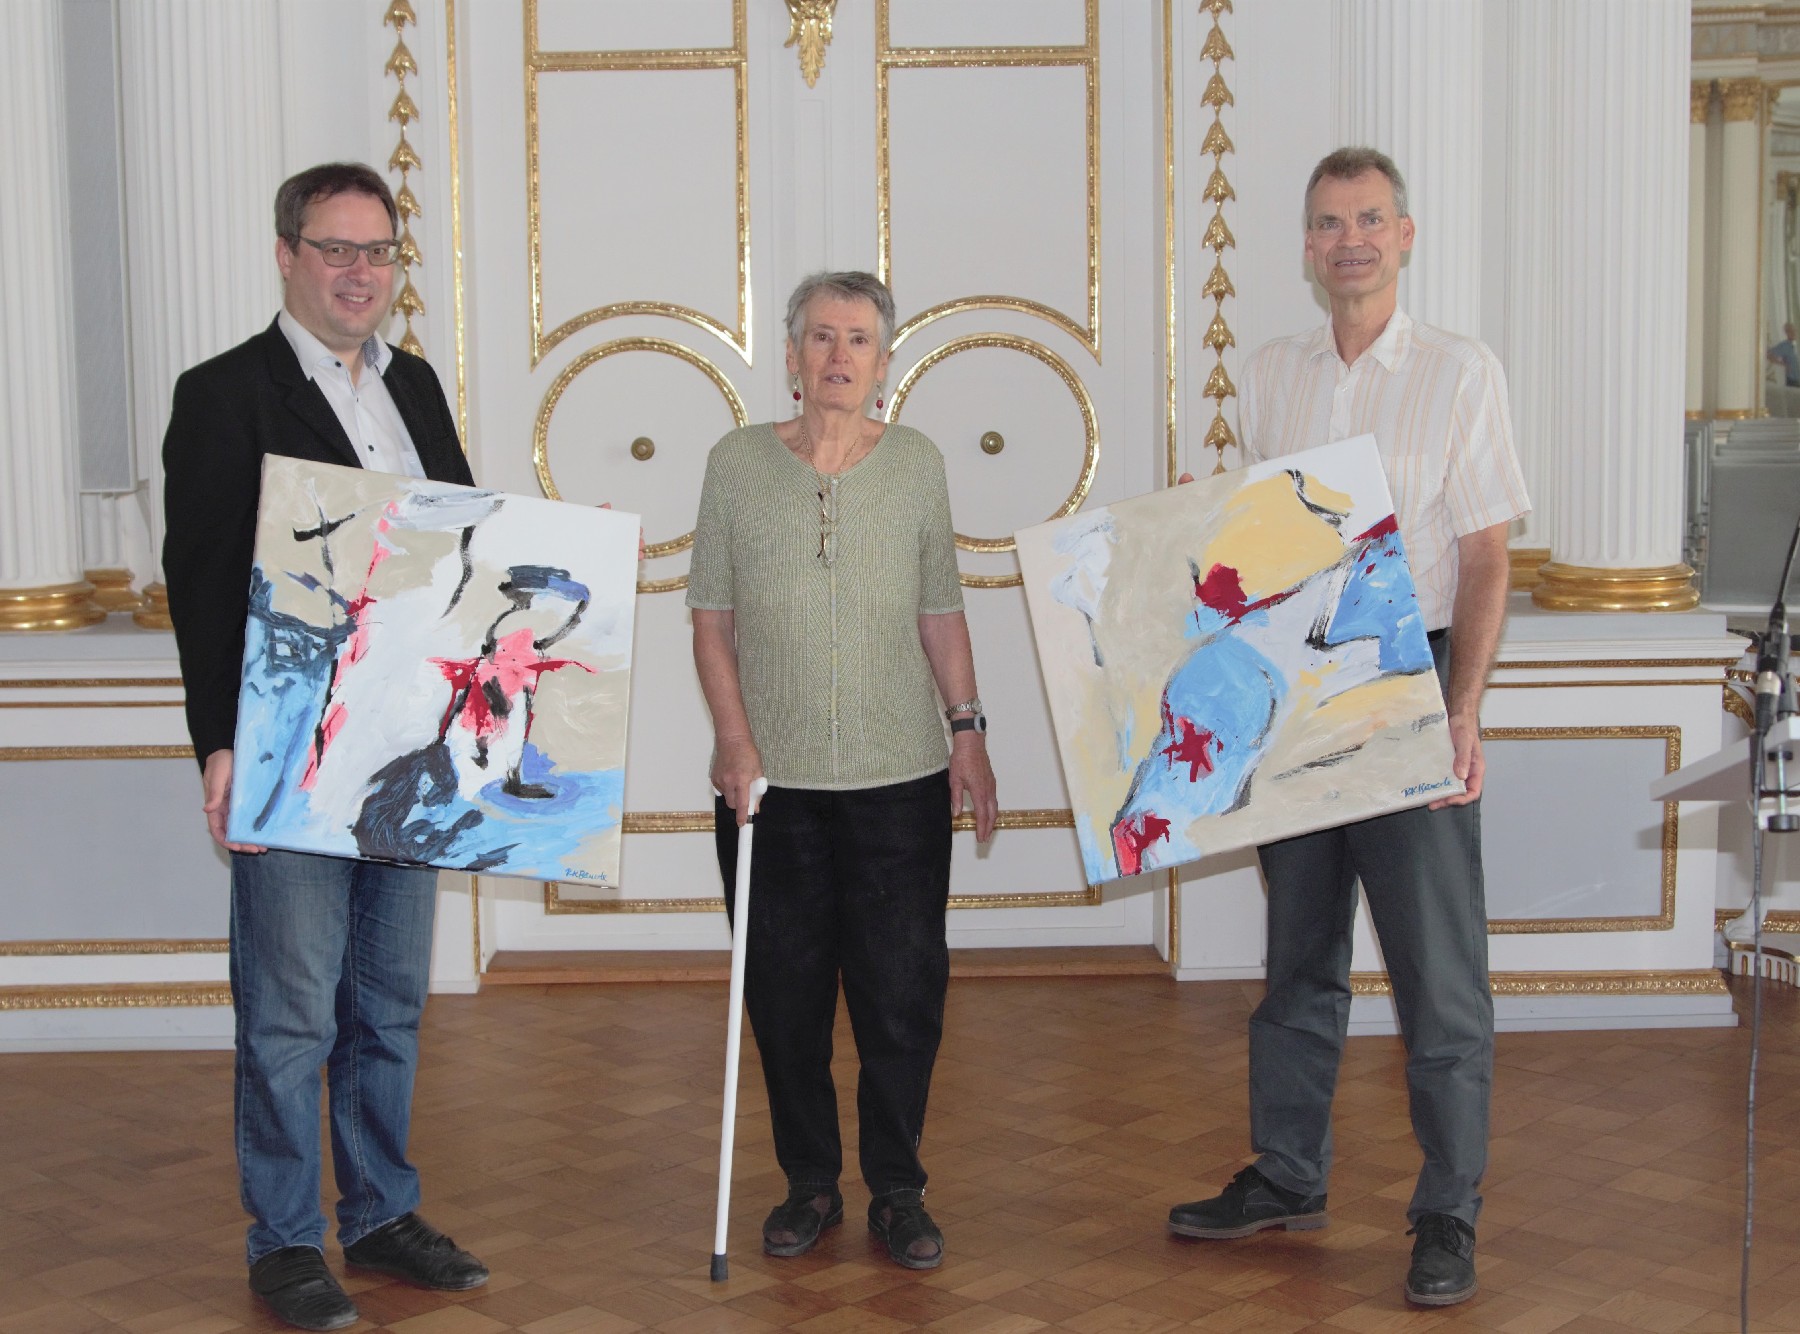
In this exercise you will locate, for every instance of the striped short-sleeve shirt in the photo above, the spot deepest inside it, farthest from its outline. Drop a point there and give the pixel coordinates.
(1435, 403)
(836, 684)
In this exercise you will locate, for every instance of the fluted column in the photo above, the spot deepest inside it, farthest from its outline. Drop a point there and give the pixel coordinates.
(1740, 355)
(41, 587)
(1699, 104)
(1529, 360)
(201, 94)
(113, 544)
(1409, 83)
(1619, 231)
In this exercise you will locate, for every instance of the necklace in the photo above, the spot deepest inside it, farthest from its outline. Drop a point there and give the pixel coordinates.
(827, 492)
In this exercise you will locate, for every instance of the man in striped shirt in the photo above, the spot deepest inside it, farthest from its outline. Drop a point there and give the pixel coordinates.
(1436, 403)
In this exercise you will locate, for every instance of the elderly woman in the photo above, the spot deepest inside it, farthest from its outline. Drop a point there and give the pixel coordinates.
(828, 635)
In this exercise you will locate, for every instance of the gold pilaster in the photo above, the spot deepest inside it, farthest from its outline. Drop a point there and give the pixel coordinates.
(1525, 563)
(1699, 100)
(113, 591)
(1594, 588)
(52, 607)
(1741, 99)
(155, 613)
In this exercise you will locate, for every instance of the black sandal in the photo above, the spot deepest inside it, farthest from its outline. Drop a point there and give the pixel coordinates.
(794, 1225)
(913, 1240)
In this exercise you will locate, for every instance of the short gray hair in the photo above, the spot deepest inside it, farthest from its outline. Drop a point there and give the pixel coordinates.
(1344, 164)
(853, 285)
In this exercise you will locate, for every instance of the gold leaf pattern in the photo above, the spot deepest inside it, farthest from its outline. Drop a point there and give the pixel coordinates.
(1218, 283)
(1218, 334)
(409, 302)
(403, 158)
(1217, 142)
(401, 63)
(1217, 234)
(1218, 189)
(810, 29)
(1216, 48)
(1219, 386)
(1217, 94)
(1218, 435)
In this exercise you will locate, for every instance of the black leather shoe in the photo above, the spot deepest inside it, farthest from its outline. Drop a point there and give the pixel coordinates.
(1249, 1204)
(794, 1225)
(1443, 1261)
(899, 1219)
(294, 1283)
(412, 1249)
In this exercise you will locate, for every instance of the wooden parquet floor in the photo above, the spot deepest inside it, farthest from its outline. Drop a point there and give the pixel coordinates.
(569, 1136)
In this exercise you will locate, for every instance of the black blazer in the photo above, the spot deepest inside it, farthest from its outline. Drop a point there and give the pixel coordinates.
(228, 413)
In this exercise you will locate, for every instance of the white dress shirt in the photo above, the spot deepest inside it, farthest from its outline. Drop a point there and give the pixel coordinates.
(1435, 403)
(364, 408)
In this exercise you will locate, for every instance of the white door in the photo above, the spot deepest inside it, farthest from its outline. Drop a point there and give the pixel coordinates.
(645, 181)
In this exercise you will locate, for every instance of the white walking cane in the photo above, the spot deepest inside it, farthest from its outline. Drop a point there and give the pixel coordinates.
(734, 1026)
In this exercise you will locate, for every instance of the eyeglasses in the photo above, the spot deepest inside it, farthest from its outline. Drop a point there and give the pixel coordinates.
(342, 254)
(827, 520)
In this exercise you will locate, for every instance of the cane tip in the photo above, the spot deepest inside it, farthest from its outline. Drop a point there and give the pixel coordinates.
(721, 1270)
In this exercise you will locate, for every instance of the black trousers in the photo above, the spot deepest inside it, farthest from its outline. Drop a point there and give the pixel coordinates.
(855, 883)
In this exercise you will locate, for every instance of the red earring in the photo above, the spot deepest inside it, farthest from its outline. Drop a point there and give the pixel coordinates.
(880, 403)
(796, 389)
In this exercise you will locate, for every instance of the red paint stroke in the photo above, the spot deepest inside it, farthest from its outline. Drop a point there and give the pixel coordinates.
(513, 666)
(1189, 746)
(1222, 589)
(1386, 528)
(1134, 834)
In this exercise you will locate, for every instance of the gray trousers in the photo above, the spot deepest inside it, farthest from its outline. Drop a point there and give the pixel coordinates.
(1421, 871)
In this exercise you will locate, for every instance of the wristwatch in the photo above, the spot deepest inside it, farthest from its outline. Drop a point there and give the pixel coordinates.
(976, 724)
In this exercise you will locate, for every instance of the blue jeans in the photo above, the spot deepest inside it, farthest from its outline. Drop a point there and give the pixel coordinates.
(330, 960)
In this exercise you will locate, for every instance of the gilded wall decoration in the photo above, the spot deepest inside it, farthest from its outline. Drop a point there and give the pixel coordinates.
(405, 160)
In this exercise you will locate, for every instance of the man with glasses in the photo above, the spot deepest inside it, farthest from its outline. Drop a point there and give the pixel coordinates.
(329, 957)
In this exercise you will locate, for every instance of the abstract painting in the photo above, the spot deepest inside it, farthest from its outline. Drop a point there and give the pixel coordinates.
(1235, 661)
(435, 674)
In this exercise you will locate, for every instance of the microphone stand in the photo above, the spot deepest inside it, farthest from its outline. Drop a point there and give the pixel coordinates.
(1774, 702)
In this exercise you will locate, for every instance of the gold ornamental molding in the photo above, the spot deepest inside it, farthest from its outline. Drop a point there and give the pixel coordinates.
(1595, 588)
(1664, 918)
(30, 754)
(113, 591)
(701, 822)
(1086, 57)
(115, 996)
(540, 435)
(1699, 100)
(52, 607)
(405, 159)
(1681, 982)
(539, 62)
(154, 614)
(1090, 426)
(36, 949)
(1217, 236)
(1741, 99)
(1523, 566)
(810, 30)
(92, 683)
